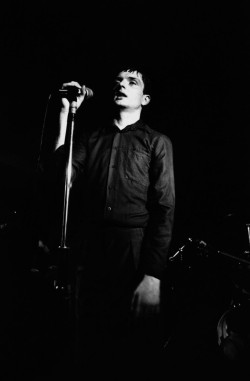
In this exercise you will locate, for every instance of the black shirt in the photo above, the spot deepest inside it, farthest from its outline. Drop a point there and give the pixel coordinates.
(127, 180)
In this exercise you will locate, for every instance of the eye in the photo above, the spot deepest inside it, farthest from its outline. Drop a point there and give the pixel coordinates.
(116, 83)
(133, 82)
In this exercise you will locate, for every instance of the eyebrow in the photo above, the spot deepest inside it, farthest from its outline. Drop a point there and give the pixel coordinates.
(129, 78)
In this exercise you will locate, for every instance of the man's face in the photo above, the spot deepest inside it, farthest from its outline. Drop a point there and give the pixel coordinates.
(128, 91)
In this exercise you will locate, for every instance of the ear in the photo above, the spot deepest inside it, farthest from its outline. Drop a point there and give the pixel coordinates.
(146, 99)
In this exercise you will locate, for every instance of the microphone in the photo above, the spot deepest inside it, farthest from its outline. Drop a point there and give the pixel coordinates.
(73, 91)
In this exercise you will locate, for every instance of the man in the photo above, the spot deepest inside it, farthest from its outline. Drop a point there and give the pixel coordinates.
(125, 172)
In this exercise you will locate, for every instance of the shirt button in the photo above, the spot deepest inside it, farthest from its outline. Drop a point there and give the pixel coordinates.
(109, 208)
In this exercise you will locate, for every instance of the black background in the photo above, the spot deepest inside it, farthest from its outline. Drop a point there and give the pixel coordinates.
(198, 53)
(199, 56)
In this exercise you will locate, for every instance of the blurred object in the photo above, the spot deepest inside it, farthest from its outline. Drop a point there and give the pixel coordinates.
(197, 270)
(231, 234)
(201, 292)
(233, 332)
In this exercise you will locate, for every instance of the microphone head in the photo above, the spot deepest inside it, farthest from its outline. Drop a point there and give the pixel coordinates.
(74, 91)
(89, 92)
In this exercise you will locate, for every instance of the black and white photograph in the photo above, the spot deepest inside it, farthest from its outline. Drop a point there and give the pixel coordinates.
(125, 190)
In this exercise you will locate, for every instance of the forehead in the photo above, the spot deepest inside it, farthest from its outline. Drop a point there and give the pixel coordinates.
(130, 74)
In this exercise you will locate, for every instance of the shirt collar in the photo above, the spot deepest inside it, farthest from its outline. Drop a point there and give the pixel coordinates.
(132, 127)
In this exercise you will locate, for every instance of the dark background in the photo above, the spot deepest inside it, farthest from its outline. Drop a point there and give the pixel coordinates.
(199, 56)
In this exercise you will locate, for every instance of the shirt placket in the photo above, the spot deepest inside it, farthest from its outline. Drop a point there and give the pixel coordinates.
(112, 172)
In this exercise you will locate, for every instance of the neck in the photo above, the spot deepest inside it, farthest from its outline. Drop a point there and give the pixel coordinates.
(125, 118)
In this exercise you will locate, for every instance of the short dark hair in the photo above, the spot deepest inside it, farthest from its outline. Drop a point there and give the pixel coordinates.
(138, 68)
(146, 80)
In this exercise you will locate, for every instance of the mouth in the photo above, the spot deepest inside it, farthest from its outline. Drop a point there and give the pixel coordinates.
(120, 94)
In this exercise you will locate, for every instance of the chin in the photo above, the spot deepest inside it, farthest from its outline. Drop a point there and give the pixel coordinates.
(121, 103)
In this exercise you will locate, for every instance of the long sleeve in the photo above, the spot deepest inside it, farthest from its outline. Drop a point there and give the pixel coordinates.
(161, 206)
(51, 191)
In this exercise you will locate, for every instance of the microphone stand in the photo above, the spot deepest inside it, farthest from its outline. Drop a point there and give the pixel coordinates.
(62, 282)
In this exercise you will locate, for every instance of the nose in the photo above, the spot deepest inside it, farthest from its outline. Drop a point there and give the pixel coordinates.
(121, 84)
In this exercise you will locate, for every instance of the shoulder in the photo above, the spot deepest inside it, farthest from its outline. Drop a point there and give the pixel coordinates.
(159, 140)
